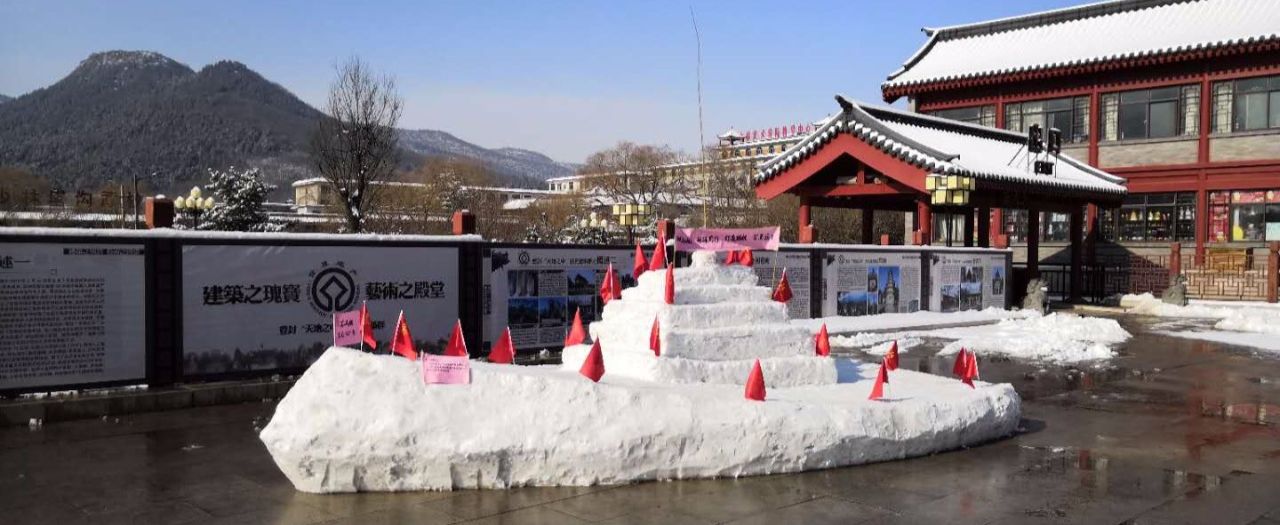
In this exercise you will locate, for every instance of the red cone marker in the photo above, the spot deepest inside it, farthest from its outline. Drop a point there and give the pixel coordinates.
(731, 258)
(782, 293)
(655, 342)
(593, 365)
(503, 352)
(882, 378)
(891, 358)
(755, 383)
(577, 335)
(457, 343)
(640, 264)
(659, 259)
(822, 342)
(669, 293)
(745, 258)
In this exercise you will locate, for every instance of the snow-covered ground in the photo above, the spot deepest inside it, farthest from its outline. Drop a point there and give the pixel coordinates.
(1243, 323)
(1055, 338)
(361, 422)
(844, 325)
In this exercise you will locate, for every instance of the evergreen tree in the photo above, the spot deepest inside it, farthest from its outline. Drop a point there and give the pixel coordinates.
(238, 196)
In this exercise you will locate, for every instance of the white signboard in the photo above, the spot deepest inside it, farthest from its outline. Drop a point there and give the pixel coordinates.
(71, 313)
(769, 265)
(267, 307)
(871, 282)
(536, 291)
(967, 281)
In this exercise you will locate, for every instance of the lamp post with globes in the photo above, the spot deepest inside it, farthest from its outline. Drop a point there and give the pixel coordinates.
(193, 205)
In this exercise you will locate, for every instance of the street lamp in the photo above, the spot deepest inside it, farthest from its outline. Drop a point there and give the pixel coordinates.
(193, 205)
(630, 215)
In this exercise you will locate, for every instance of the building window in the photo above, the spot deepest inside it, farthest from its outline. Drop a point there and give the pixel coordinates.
(981, 115)
(1151, 113)
(1244, 215)
(1068, 115)
(1157, 217)
(1246, 104)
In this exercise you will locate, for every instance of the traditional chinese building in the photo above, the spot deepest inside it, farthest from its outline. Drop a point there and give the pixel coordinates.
(1180, 98)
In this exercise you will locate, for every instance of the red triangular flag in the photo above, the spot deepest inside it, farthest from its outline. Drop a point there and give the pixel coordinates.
(891, 358)
(669, 292)
(970, 370)
(593, 365)
(606, 285)
(402, 342)
(577, 335)
(961, 364)
(823, 342)
(973, 363)
(659, 259)
(640, 264)
(366, 327)
(457, 343)
(755, 383)
(655, 341)
(615, 286)
(882, 377)
(745, 257)
(782, 293)
(731, 259)
(503, 351)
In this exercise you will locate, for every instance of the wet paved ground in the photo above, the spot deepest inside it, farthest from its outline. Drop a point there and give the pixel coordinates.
(1173, 431)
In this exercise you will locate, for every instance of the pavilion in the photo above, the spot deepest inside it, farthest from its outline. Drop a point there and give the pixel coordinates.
(877, 158)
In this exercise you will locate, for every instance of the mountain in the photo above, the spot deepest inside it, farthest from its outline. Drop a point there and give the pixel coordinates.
(5, 98)
(125, 113)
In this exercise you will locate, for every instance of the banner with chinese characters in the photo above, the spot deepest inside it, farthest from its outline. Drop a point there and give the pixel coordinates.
(870, 282)
(967, 281)
(536, 291)
(72, 314)
(725, 239)
(250, 308)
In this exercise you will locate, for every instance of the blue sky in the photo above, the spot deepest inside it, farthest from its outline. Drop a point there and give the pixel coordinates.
(563, 78)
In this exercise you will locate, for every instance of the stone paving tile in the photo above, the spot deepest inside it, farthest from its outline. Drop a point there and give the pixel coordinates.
(473, 504)
(529, 516)
(816, 512)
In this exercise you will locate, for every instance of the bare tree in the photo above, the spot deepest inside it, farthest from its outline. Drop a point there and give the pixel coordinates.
(632, 173)
(354, 146)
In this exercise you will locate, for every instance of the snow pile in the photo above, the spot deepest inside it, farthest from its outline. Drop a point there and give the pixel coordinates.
(1147, 304)
(877, 343)
(363, 422)
(1242, 323)
(918, 319)
(1056, 338)
(721, 322)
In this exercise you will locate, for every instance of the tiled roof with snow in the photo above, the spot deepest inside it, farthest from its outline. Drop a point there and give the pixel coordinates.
(1087, 34)
(944, 147)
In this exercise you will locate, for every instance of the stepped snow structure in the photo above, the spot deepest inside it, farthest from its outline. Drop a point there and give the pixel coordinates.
(721, 322)
(361, 422)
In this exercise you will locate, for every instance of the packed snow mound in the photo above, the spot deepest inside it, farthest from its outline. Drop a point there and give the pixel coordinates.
(361, 422)
(721, 321)
(1055, 338)
(1243, 316)
(877, 343)
(1147, 304)
(919, 319)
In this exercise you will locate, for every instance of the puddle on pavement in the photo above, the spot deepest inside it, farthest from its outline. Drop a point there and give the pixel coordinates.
(1104, 475)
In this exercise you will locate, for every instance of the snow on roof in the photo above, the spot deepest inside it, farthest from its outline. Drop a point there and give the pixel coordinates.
(943, 147)
(731, 134)
(1087, 34)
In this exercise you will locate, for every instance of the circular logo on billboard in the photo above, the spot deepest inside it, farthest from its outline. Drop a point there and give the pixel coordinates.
(523, 257)
(333, 288)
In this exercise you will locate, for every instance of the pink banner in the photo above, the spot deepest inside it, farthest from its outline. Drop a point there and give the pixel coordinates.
(446, 370)
(725, 239)
(346, 328)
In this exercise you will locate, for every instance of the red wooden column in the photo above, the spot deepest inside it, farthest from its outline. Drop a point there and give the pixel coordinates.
(1077, 255)
(868, 225)
(1033, 243)
(997, 227)
(984, 227)
(1202, 222)
(924, 223)
(804, 225)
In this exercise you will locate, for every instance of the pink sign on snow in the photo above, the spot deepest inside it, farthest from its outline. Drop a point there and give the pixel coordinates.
(726, 239)
(346, 328)
(446, 369)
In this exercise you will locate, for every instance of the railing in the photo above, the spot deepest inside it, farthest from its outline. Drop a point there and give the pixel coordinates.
(1235, 275)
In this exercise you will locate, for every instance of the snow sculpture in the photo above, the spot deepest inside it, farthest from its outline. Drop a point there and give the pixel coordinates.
(361, 422)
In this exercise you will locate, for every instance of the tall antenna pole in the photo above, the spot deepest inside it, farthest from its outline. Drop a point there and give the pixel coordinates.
(702, 151)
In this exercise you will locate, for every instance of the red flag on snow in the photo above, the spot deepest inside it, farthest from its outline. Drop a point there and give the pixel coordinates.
(822, 342)
(593, 365)
(745, 257)
(659, 259)
(669, 292)
(457, 346)
(891, 358)
(655, 341)
(640, 264)
(731, 259)
(606, 285)
(615, 285)
(961, 364)
(782, 293)
(503, 351)
(882, 378)
(402, 342)
(970, 370)
(577, 335)
(755, 383)
(366, 327)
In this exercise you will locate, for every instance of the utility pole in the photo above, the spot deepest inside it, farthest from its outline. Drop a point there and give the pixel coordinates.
(135, 201)
(702, 150)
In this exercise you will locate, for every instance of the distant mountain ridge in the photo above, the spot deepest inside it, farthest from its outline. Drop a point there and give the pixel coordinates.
(125, 113)
(5, 98)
